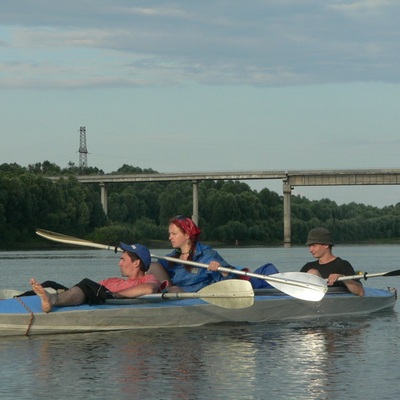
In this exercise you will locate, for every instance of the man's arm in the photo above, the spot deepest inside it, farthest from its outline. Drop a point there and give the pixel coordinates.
(136, 291)
(355, 287)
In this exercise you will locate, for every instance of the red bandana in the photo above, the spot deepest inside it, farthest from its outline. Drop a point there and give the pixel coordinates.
(188, 226)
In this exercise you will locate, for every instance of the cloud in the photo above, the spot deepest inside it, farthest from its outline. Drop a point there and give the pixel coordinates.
(364, 6)
(275, 43)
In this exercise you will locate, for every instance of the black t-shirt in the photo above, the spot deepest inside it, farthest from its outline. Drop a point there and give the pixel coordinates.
(337, 266)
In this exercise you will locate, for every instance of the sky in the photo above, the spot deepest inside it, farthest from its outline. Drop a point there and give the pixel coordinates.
(200, 86)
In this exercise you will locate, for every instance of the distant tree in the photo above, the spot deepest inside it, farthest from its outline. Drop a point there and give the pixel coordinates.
(44, 168)
(13, 169)
(126, 206)
(232, 231)
(176, 199)
(228, 210)
(129, 169)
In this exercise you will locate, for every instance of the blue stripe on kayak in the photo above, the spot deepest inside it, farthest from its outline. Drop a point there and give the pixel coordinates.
(13, 306)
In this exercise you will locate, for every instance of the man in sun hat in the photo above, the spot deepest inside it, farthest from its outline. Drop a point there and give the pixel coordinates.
(319, 235)
(134, 262)
(328, 266)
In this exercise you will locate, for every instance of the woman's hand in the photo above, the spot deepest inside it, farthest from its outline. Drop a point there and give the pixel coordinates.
(214, 265)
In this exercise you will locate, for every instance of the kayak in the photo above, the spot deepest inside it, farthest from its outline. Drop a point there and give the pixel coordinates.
(23, 315)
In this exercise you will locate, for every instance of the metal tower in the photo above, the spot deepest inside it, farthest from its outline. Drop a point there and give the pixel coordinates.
(82, 149)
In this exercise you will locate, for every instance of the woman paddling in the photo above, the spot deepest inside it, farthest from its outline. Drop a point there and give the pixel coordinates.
(184, 237)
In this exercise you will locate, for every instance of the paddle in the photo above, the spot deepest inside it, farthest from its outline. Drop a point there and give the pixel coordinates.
(296, 284)
(366, 275)
(227, 294)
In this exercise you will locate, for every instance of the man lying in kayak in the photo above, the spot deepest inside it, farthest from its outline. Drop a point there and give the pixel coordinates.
(134, 262)
(328, 266)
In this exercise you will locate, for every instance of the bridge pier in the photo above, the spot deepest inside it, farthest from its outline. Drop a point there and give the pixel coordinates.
(195, 215)
(103, 196)
(287, 228)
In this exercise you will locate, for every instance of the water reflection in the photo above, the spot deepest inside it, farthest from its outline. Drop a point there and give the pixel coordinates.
(264, 361)
(316, 352)
(247, 361)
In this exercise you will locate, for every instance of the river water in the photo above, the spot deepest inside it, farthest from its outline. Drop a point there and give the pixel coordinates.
(335, 359)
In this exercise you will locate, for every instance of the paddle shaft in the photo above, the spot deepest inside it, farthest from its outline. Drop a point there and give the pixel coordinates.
(189, 295)
(366, 275)
(57, 237)
(311, 289)
(10, 293)
(81, 242)
(267, 278)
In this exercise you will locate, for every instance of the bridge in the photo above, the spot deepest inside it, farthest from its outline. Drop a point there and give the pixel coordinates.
(290, 179)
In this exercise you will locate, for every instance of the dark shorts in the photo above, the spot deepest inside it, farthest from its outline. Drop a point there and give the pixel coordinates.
(95, 293)
(47, 284)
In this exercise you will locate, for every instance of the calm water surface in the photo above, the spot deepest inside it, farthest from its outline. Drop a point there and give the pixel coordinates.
(335, 359)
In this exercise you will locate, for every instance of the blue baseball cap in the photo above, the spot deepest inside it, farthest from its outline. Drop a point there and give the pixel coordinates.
(141, 251)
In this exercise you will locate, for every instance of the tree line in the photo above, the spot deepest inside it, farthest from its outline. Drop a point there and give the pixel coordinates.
(229, 211)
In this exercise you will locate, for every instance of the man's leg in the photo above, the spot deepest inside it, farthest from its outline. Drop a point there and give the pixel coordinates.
(47, 285)
(71, 297)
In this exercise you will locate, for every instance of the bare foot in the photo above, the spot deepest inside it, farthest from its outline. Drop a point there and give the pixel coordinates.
(44, 296)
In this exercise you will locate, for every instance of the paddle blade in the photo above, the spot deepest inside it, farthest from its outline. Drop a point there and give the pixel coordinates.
(60, 238)
(392, 273)
(301, 285)
(232, 293)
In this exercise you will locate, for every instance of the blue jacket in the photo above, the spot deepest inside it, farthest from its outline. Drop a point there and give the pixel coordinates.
(192, 279)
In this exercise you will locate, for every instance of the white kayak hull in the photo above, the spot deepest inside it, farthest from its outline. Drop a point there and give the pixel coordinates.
(23, 316)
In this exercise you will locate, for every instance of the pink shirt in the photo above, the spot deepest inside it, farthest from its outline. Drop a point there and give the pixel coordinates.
(118, 284)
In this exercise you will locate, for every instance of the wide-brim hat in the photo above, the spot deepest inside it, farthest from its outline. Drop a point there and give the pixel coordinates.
(319, 236)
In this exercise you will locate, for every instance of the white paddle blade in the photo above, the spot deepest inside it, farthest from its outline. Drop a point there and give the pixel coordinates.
(232, 293)
(60, 238)
(301, 285)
